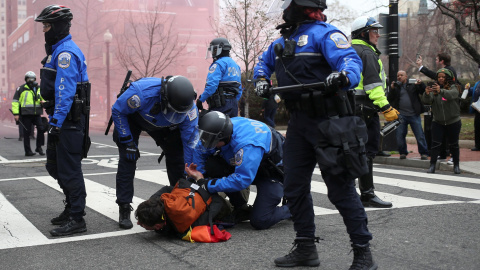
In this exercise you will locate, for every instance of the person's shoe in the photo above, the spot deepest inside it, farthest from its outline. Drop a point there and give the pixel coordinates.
(383, 154)
(29, 154)
(303, 253)
(456, 169)
(424, 157)
(362, 258)
(402, 156)
(475, 149)
(63, 217)
(70, 227)
(124, 218)
(441, 157)
(450, 161)
(431, 169)
(242, 213)
(40, 151)
(369, 199)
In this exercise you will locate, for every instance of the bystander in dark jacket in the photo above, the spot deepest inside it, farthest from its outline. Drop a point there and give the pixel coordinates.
(405, 97)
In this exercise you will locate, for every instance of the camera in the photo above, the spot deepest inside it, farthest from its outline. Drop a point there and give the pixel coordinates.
(397, 84)
(412, 81)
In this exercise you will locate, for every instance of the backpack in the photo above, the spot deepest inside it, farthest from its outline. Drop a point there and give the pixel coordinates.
(185, 204)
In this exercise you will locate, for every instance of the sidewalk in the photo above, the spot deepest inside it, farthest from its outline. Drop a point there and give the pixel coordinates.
(469, 160)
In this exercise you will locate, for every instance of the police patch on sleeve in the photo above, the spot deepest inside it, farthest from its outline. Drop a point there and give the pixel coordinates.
(64, 60)
(340, 40)
(192, 114)
(134, 102)
(239, 157)
(212, 68)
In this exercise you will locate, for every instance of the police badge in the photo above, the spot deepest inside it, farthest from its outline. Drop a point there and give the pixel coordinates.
(302, 40)
(64, 60)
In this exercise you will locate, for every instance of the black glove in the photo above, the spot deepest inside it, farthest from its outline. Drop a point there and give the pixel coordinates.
(54, 131)
(199, 105)
(262, 88)
(335, 81)
(131, 152)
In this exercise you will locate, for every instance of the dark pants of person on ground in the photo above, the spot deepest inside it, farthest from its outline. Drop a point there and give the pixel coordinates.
(167, 138)
(64, 157)
(415, 123)
(300, 161)
(452, 132)
(230, 108)
(476, 126)
(28, 121)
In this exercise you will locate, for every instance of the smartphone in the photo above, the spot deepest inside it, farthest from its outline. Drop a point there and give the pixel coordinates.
(412, 81)
(430, 84)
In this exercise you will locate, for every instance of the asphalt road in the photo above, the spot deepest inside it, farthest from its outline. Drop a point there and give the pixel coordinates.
(434, 223)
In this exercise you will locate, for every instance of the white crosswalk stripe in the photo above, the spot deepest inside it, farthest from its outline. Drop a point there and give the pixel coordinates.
(17, 231)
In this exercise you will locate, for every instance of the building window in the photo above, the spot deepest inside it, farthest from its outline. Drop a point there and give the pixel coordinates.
(20, 42)
(192, 72)
(14, 46)
(26, 36)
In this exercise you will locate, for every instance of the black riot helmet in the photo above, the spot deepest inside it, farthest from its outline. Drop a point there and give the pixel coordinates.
(214, 127)
(218, 46)
(177, 96)
(321, 4)
(54, 13)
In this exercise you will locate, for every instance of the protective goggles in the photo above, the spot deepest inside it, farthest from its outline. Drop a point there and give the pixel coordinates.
(209, 140)
(173, 116)
(212, 51)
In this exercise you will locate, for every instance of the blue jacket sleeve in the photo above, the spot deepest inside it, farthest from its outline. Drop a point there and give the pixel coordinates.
(342, 57)
(215, 73)
(266, 64)
(65, 88)
(128, 103)
(187, 132)
(244, 173)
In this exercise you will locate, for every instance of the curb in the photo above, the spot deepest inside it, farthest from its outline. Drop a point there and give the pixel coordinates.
(416, 163)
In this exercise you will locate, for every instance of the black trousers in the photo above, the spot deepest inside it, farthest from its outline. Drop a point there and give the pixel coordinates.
(439, 132)
(476, 126)
(29, 121)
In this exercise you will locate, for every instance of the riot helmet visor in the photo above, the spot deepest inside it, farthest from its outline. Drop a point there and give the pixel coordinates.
(172, 115)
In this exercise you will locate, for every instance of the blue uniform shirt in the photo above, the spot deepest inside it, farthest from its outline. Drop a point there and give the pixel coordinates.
(140, 98)
(321, 49)
(224, 71)
(71, 68)
(250, 140)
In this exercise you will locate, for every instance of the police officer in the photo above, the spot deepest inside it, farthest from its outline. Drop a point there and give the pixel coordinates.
(63, 79)
(27, 103)
(165, 109)
(255, 150)
(311, 51)
(370, 97)
(224, 85)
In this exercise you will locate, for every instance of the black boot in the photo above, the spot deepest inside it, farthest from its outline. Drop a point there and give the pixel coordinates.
(304, 254)
(362, 258)
(70, 227)
(456, 169)
(369, 198)
(124, 219)
(432, 168)
(63, 217)
(30, 153)
(40, 151)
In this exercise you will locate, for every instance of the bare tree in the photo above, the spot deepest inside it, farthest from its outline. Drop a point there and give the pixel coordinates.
(250, 30)
(149, 44)
(466, 16)
(340, 15)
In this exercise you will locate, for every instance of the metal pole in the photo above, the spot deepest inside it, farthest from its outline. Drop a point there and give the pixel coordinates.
(109, 109)
(393, 40)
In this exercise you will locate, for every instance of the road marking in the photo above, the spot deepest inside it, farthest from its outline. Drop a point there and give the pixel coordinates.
(461, 179)
(16, 230)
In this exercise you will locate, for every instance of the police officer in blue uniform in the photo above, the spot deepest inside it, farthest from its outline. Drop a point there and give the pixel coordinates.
(224, 83)
(255, 150)
(63, 80)
(311, 51)
(166, 110)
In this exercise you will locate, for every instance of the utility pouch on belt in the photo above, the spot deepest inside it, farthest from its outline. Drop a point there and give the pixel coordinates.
(76, 110)
(340, 147)
(217, 99)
